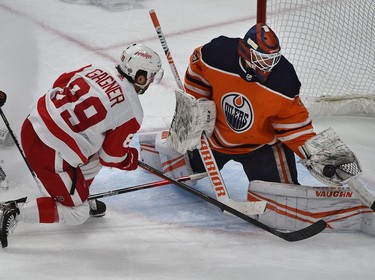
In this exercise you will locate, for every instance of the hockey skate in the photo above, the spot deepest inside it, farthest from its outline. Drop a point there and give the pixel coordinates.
(8, 221)
(97, 208)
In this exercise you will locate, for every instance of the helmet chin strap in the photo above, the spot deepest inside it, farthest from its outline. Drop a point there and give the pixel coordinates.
(253, 70)
(261, 75)
(142, 88)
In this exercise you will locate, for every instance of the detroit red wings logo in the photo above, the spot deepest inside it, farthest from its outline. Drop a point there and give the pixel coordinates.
(238, 111)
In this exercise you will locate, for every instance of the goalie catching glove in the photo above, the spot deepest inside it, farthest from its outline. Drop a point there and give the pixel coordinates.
(328, 159)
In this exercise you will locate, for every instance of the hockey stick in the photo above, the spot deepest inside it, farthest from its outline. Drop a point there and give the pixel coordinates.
(146, 186)
(301, 234)
(363, 194)
(20, 150)
(205, 151)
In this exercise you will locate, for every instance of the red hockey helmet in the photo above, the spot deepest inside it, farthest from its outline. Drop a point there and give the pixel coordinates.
(260, 48)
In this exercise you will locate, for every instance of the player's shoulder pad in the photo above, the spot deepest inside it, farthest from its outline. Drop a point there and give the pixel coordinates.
(284, 79)
(221, 53)
(64, 78)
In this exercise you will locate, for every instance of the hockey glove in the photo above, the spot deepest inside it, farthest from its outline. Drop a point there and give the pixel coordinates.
(328, 159)
(191, 119)
(131, 161)
(3, 98)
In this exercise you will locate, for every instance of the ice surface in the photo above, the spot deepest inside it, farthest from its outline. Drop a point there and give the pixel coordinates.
(160, 233)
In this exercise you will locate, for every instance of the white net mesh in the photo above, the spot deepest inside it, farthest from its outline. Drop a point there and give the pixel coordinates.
(331, 44)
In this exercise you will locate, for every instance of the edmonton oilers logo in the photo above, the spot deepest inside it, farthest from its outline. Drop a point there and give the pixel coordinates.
(238, 111)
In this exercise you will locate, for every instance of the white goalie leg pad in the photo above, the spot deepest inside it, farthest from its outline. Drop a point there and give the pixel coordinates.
(363, 187)
(292, 207)
(173, 163)
(148, 153)
(368, 223)
(191, 119)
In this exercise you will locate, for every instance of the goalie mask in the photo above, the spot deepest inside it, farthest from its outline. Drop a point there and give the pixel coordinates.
(137, 59)
(260, 50)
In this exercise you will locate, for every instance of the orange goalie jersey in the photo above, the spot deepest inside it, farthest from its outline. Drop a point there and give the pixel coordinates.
(249, 114)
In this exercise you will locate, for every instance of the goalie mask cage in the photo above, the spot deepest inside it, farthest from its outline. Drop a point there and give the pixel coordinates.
(331, 44)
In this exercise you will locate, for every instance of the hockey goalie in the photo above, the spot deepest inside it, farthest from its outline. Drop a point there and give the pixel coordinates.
(289, 206)
(259, 120)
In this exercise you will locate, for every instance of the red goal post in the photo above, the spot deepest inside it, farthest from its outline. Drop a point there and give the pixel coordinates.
(331, 43)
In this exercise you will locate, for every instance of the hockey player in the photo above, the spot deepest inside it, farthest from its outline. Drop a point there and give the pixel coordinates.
(257, 118)
(4, 184)
(85, 121)
(261, 121)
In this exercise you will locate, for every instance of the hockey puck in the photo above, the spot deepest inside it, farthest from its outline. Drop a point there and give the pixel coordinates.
(329, 170)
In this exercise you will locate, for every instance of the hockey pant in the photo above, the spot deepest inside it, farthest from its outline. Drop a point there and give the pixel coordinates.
(274, 163)
(67, 186)
(292, 207)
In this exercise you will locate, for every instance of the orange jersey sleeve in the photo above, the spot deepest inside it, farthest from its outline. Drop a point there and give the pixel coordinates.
(249, 114)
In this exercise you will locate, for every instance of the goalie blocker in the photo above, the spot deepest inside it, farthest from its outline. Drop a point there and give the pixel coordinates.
(166, 150)
(292, 207)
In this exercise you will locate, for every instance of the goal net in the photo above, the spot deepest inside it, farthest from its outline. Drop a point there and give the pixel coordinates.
(331, 44)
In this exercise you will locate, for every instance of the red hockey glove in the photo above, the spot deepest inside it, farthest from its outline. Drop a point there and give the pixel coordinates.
(131, 161)
(3, 98)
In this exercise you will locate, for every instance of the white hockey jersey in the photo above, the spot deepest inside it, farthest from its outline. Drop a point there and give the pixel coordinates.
(88, 111)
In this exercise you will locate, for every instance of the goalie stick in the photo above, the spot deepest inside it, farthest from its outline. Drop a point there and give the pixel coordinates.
(210, 165)
(298, 235)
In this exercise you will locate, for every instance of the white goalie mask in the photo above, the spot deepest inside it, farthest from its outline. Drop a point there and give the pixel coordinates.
(138, 57)
(260, 49)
